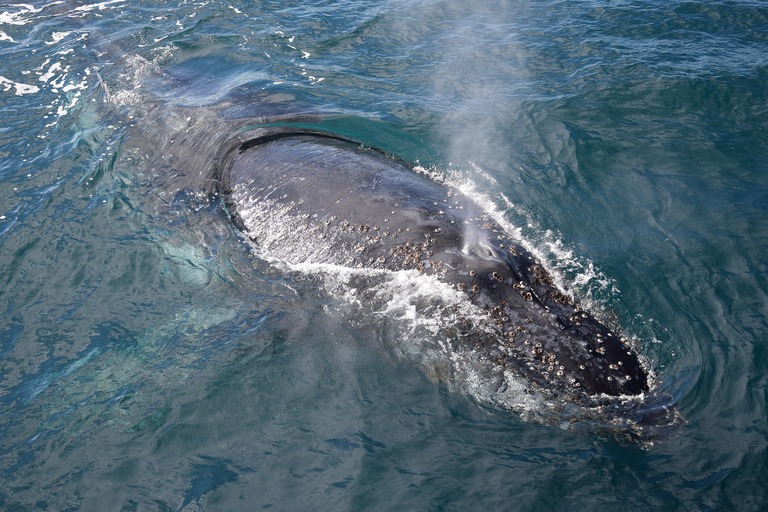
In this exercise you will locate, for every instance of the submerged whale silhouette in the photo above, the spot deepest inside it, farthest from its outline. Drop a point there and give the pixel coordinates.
(305, 196)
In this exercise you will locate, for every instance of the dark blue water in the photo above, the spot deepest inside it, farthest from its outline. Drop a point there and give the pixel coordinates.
(150, 359)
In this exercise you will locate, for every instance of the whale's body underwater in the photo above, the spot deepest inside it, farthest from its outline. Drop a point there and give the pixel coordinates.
(308, 197)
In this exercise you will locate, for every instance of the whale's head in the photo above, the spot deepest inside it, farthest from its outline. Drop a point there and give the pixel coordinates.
(308, 197)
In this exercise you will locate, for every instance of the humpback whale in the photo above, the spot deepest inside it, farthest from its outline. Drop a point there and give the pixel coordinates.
(307, 196)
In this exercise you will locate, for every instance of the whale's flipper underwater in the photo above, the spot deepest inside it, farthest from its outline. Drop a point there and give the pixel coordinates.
(308, 197)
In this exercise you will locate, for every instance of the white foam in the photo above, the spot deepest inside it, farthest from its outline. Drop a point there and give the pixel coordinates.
(21, 88)
(57, 36)
(100, 6)
(547, 247)
(55, 67)
(19, 18)
(421, 311)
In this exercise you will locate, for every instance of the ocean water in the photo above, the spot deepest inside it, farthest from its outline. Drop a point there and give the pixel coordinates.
(152, 359)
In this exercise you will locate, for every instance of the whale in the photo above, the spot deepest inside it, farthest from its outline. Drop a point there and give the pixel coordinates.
(306, 196)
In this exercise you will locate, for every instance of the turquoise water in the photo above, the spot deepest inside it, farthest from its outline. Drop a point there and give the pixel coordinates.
(150, 359)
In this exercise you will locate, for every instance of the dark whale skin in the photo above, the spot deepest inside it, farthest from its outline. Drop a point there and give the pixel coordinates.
(308, 197)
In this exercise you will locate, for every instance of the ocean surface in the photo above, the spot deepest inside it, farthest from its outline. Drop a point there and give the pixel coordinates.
(152, 359)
